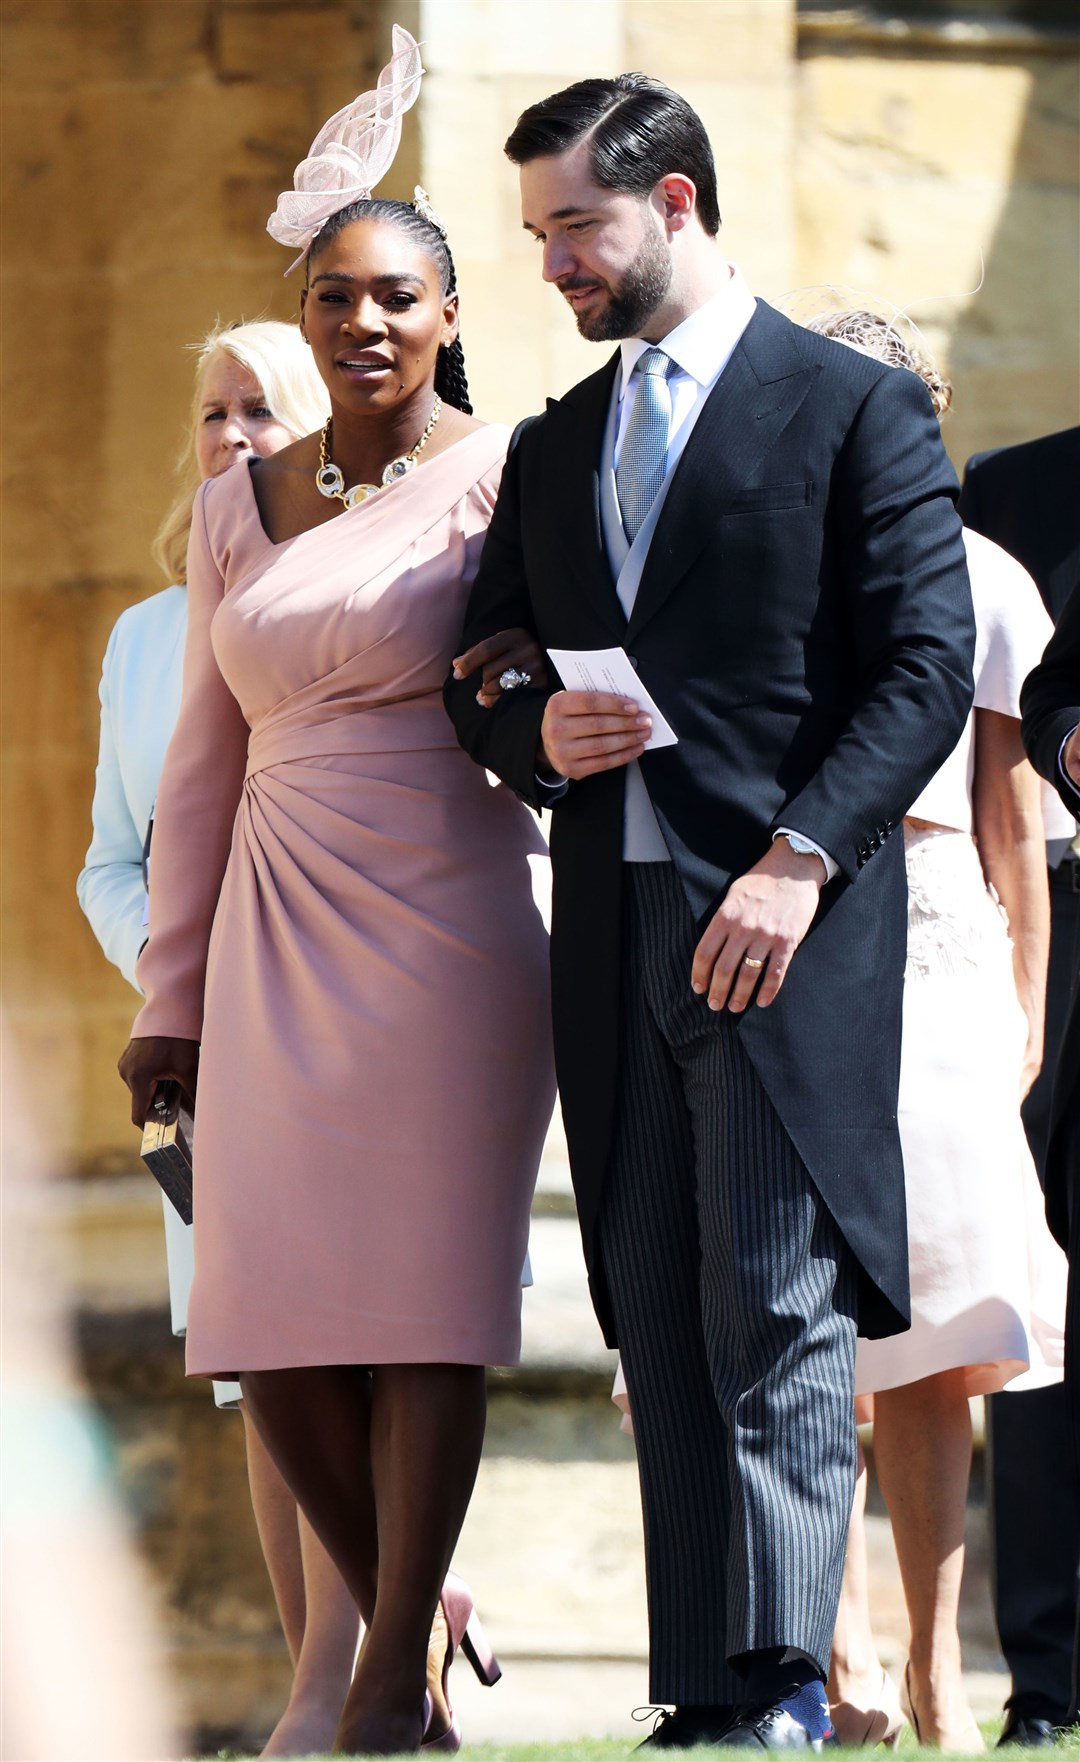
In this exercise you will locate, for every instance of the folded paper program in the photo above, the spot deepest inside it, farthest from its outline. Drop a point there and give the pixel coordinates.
(351, 152)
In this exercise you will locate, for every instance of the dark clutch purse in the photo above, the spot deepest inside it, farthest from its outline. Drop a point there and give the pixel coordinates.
(167, 1142)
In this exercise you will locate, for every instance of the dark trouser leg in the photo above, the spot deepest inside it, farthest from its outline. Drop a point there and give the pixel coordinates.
(733, 1300)
(652, 1264)
(1072, 1368)
(1036, 1538)
(778, 1305)
(1034, 1483)
(1071, 1126)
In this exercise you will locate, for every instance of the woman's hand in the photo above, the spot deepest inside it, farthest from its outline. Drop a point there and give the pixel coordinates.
(1033, 1056)
(157, 1059)
(509, 648)
(1011, 840)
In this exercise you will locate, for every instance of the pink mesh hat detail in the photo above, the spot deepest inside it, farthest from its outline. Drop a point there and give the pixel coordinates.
(350, 153)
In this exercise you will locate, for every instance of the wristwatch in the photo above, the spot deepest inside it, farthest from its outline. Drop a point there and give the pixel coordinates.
(800, 845)
(803, 847)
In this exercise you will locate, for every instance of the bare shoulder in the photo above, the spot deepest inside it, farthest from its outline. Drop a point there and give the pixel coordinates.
(282, 486)
(296, 460)
(454, 426)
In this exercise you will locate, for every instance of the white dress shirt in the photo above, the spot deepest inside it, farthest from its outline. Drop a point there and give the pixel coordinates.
(700, 347)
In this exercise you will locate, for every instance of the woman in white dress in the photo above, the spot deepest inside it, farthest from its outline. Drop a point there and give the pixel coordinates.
(987, 1281)
(256, 391)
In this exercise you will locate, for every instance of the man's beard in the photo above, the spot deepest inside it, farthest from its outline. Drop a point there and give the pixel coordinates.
(633, 302)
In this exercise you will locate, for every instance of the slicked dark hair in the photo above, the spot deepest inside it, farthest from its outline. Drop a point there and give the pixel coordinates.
(640, 131)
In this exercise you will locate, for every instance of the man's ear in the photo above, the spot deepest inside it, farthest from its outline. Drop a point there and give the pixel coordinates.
(675, 199)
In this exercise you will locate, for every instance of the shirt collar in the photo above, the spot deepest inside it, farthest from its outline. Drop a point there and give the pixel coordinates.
(702, 343)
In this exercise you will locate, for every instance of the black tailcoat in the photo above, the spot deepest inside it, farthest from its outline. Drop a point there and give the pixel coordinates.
(1024, 498)
(1050, 707)
(804, 621)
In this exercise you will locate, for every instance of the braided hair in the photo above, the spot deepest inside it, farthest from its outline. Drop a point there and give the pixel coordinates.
(450, 382)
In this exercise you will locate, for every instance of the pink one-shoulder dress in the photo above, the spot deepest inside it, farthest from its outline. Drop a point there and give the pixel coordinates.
(341, 911)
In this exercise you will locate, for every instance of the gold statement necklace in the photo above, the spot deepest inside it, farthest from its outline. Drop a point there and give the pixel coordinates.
(330, 480)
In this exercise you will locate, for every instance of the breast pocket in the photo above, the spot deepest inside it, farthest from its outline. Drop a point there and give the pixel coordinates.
(771, 498)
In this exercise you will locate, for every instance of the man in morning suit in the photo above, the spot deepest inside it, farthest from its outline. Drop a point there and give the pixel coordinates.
(765, 523)
(1024, 498)
(1050, 706)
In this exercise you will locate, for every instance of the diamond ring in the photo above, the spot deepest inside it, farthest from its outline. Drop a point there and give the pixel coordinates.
(512, 678)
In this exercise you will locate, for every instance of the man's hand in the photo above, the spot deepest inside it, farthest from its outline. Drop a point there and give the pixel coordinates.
(155, 1059)
(1070, 758)
(588, 731)
(509, 648)
(764, 917)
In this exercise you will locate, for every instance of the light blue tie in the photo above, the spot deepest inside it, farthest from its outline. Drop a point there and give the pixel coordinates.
(640, 470)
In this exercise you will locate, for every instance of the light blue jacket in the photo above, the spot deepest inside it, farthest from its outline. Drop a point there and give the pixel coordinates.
(140, 699)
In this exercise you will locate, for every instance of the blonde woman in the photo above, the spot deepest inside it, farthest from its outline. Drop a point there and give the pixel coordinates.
(987, 1281)
(256, 391)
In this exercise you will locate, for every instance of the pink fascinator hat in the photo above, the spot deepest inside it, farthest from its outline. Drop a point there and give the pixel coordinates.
(350, 153)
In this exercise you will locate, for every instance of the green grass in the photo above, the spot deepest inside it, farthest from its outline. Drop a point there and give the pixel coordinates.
(616, 1750)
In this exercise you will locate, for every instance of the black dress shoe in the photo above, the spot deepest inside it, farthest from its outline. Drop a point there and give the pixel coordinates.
(772, 1727)
(1029, 1734)
(682, 1730)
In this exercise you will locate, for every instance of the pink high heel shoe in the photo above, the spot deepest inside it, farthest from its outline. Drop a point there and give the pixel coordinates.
(860, 1727)
(462, 1629)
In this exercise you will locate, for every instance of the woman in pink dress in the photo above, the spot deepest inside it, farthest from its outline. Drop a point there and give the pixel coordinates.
(343, 922)
(256, 390)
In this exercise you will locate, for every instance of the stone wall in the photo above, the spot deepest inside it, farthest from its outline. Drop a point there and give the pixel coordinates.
(146, 141)
(144, 147)
(925, 169)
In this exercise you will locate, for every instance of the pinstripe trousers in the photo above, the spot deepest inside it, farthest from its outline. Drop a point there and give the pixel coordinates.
(734, 1300)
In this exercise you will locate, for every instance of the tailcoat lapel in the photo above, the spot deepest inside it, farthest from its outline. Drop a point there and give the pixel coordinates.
(576, 426)
(752, 402)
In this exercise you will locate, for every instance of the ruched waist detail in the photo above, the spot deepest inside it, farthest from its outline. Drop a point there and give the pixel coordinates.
(412, 725)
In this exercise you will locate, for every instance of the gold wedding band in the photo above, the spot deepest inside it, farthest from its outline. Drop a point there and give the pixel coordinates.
(748, 962)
